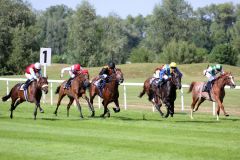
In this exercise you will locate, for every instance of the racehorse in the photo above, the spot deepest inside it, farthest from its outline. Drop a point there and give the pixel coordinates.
(165, 94)
(78, 89)
(216, 94)
(34, 93)
(110, 92)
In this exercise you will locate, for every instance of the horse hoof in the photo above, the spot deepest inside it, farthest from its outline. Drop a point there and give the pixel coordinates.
(226, 115)
(93, 114)
(42, 111)
(102, 115)
(116, 110)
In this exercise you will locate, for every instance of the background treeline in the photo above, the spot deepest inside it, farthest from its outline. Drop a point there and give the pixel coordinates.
(173, 32)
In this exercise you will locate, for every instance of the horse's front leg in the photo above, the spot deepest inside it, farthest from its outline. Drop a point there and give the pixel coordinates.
(168, 105)
(117, 109)
(78, 105)
(220, 105)
(89, 105)
(69, 105)
(37, 104)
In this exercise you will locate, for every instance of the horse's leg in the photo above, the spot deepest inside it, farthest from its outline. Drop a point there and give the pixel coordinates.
(78, 105)
(41, 110)
(14, 105)
(89, 105)
(220, 105)
(194, 101)
(60, 97)
(37, 104)
(69, 105)
(168, 105)
(157, 103)
(199, 103)
(106, 110)
(117, 105)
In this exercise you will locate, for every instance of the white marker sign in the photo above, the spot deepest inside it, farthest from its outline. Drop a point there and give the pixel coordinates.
(45, 56)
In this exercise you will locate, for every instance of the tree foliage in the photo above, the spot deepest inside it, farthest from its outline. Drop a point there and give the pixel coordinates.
(173, 32)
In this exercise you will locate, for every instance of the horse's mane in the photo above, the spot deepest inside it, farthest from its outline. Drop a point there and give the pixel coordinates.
(223, 75)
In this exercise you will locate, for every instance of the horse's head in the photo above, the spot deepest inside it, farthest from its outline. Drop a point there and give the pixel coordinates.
(177, 80)
(43, 84)
(228, 79)
(84, 78)
(119, 75)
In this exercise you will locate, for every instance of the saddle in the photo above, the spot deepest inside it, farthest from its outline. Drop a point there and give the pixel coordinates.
(154, 82)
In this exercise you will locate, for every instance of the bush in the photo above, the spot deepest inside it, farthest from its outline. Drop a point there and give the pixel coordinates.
(140, 55)
(183, 52)
(223, 54)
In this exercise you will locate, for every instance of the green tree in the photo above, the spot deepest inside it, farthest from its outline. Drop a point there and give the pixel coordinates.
(82, 31)
(224, 54)
(183, 52)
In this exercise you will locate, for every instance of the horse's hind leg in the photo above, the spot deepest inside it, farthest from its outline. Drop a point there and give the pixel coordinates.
(199, 103)
(106, 110)
(69, 105)
(194, 101)
(60, 97)
(14, 105)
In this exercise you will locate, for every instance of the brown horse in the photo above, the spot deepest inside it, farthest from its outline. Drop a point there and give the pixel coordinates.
(34, 93)
(216, 94)
(78, 89)
(110, 92)
(166, 94)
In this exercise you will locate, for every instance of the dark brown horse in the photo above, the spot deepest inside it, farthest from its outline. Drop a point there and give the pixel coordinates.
(110, 92)
(78, 89)
(216, 94)
(166, 94)
(34, 93)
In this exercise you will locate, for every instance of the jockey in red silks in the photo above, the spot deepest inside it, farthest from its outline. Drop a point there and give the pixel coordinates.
(32, 72)
(73, 71)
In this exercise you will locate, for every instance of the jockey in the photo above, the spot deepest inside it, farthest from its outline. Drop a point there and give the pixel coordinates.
(32, 72)
(104, 73)
(211, 73)
(166, 71)
(73, 71)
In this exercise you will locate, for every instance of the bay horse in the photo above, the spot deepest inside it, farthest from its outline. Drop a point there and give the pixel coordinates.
(77, 89)
(165, 94)
(110, 92)
(216, 94)
(34, 93)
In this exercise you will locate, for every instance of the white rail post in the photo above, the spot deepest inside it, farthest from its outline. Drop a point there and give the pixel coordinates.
(99, 102)
(7, 87)
(153, 108)
(51, 93)
(125, 96)
(214, 108)
(182, 99)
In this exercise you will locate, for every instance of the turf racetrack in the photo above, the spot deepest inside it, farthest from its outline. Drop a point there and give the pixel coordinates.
(130, 134)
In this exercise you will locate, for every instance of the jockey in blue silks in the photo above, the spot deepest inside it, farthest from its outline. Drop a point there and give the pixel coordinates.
(166, 72)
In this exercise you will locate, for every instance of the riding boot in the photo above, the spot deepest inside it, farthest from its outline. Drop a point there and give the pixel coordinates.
(208, 86)
(27, 83)
(100, 86)
(68, 83)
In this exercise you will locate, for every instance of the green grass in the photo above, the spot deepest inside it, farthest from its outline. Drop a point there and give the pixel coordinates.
(131, 134)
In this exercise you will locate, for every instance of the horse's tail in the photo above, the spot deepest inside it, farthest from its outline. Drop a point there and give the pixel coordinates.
(191, 87)
(57, 90)
(5, 98)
